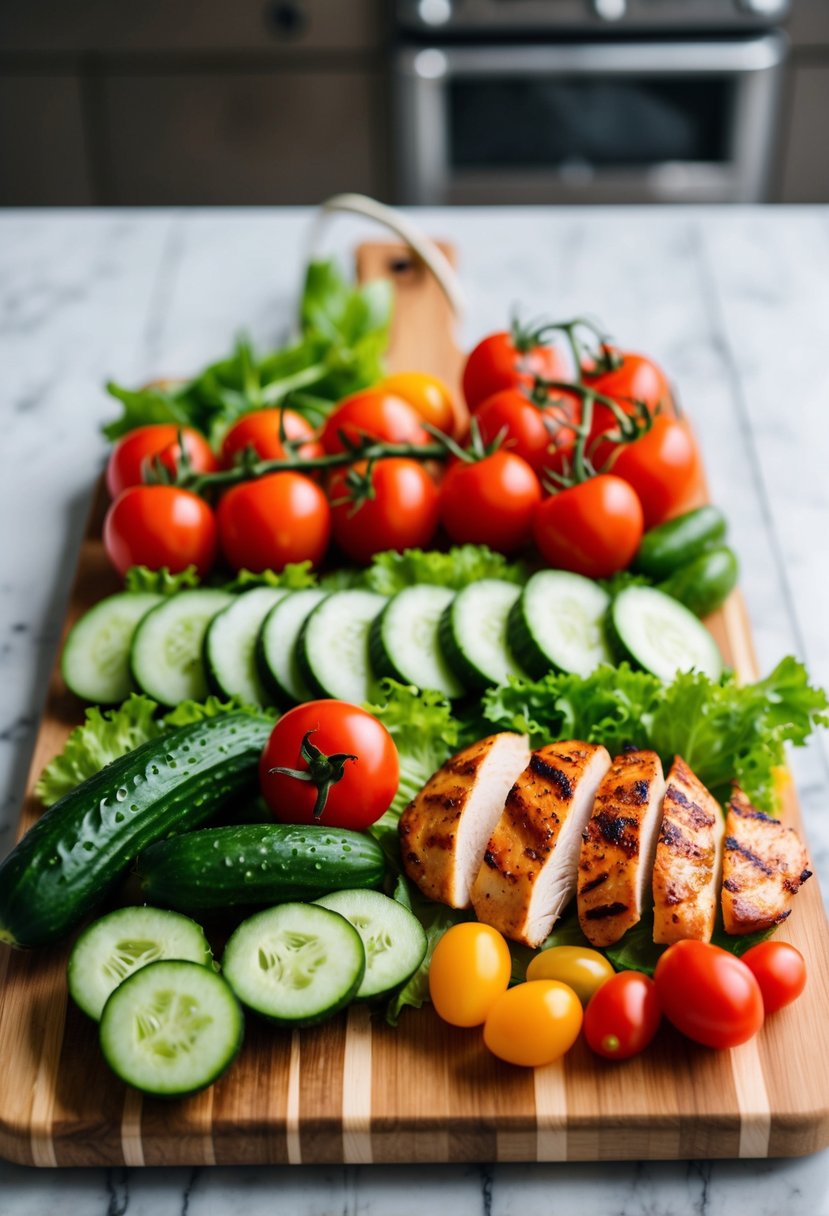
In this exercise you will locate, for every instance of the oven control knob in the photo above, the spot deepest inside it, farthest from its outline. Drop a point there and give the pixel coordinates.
(610, 10)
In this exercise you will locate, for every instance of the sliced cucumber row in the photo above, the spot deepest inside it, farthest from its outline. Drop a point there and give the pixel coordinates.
(271, 645)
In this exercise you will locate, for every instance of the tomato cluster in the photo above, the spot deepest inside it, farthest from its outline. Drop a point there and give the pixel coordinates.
(545, 465)
(708, 994)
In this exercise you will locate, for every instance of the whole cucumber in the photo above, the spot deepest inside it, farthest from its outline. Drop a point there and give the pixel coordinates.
(705, 583)
(68, 862)
(258, 864)
(672, 545)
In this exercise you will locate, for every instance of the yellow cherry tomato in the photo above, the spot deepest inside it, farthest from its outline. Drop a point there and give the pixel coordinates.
(584, 970)
(429, 395)
(534, 1023)
(470, 969)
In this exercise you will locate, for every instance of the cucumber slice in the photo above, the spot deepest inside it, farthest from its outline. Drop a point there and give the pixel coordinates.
(276, 646)
(96, 657)
(473, 634)
(332, 648)
(657, 633)
(558, 622)
(403, 640)
(166, 655)
(230, 645)
(296, 964)
(123, 942)
(394, 940)
(171, 1028)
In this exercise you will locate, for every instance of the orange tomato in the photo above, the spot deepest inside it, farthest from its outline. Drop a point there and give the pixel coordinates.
(429, 395)
(533, 1023)
(470, 970)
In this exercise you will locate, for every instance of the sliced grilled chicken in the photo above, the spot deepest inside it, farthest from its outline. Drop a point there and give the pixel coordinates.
(688, 865)
(531, 862)
(764, 866)
(444, 830)
(618, 847)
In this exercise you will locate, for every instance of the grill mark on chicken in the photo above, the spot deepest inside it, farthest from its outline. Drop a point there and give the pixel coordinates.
(733, 845)
(591, 886)
(563, 784)
(604, 910)
(673, 835)
(765, 865)
(615, 830)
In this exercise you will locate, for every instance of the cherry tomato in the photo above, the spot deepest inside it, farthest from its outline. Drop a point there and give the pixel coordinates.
(539, 435)
(710, 995)
(533, 1023)
(376, 413)
(361, 751)
(497, 363)
(593, 528)
(490, 501)
(469, 971)
(663, 466)
(128, 458)
(401, 514)
(159, 526)
(582, 969)
(276, 519)
(261, 430)
(780, 970)
(636, 379)
(428, 395)
(622, 1016)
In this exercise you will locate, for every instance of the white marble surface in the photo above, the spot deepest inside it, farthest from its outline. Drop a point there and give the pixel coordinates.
(734, 303)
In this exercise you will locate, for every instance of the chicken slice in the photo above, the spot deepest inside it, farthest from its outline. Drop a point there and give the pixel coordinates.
(688, 865)
(618, 847)
(531, 862)
(445, 828)
(764, 866)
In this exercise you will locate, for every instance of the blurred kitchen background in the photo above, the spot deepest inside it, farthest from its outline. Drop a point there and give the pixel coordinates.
(157, 102)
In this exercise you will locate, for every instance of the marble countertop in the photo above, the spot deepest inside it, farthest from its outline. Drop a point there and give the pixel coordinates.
(733, 302)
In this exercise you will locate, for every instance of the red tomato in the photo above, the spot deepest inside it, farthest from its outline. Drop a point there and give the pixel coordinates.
(636, 379)
(261, 431)
(490, 502)
(539, 435)
(159, 526)
(622, 1016)
(593, 528)
(663, 466)
(710, 995)
(497, 363)
(428, 395)
(359, 749)
(276, 519)
(780, 971)
(376, 413)
(401, 514)
(127, 459)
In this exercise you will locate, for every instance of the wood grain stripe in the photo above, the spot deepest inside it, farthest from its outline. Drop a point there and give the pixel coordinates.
(357, 1088)
(292, 1137)
(132, 1145)
(551, 1113)
(752, 1100)
(43, 1094)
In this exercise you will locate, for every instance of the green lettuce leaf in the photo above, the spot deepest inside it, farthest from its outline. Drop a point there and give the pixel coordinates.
(107, 734)
(295, 577)
(458, 567)
(104, 736)
(160, 582)
(724, 731)
(637, 950)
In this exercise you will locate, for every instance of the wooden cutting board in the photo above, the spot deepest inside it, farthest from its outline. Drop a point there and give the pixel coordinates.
(355, 1090)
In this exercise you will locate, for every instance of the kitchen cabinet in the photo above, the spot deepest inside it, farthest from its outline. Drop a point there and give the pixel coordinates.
(805, 165)
(43, 150)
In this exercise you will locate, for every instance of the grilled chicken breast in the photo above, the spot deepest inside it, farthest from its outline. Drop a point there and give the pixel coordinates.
(688, 864)
(617, 851)
(764, 866)
(444, 830)
(531, 861)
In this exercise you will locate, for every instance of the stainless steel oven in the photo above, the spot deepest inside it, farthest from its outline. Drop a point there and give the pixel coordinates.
(644, 108)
